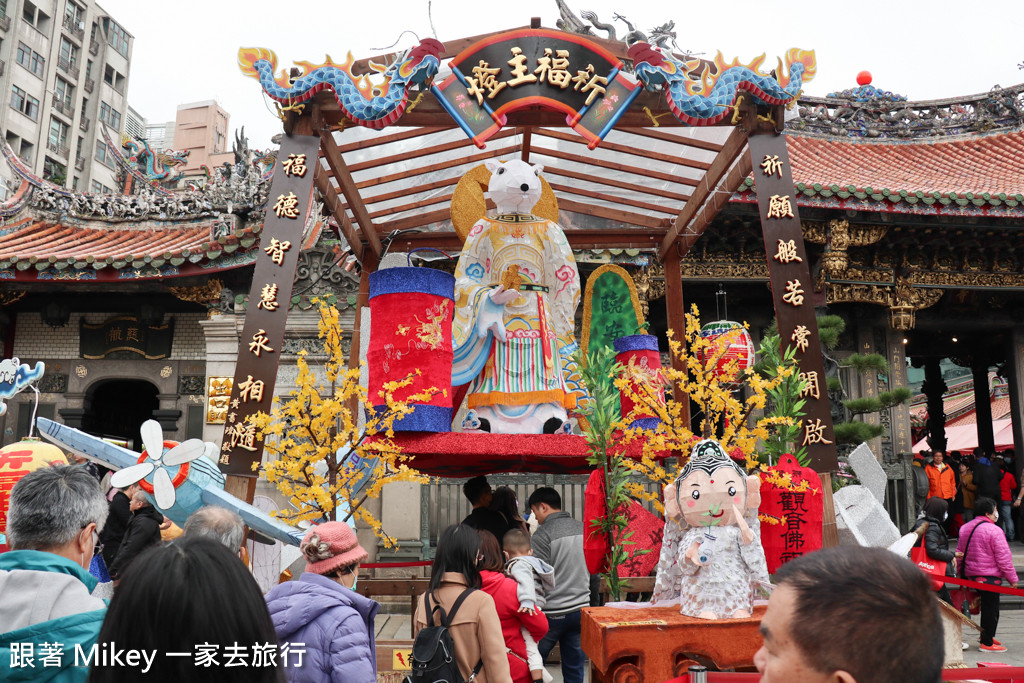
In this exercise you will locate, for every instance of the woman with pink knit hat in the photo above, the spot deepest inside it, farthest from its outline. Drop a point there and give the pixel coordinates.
(321, 611)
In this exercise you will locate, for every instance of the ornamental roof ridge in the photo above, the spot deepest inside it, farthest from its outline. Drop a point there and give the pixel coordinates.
(236, 192)
(867, 112)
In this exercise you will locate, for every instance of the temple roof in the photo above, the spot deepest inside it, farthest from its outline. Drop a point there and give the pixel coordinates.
(33, 249)
(51, 233)
(981, 173)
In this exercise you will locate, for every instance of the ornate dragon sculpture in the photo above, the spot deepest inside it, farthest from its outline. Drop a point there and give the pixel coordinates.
(363, 102)
(157, 165)
(663, 36)
(712, 97)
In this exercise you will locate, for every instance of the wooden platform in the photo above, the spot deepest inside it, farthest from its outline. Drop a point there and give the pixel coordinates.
(655, 644)
(467, 454)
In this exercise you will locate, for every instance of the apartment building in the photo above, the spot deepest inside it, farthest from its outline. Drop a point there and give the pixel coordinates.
(65, 64)
(201, 129)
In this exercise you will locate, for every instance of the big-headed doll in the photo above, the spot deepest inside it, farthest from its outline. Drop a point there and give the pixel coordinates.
(711, 555)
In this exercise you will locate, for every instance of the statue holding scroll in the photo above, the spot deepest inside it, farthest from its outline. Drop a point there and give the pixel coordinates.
(516, 292)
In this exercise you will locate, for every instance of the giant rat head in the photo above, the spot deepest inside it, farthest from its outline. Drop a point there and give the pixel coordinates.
(515, 185)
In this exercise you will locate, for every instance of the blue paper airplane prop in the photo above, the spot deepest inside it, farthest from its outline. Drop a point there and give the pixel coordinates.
(176, 476)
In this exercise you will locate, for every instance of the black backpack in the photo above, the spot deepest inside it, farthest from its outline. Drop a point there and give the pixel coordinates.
(433, 651)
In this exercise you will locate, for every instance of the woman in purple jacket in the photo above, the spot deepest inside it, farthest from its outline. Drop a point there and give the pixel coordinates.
(322, 613)
(983, 549)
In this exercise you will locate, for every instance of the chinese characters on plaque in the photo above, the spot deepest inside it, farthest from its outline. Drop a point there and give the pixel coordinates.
(533, 68)
(791, 285)
(792, 510)
(252, 387)
(218, 397)
(551, 70)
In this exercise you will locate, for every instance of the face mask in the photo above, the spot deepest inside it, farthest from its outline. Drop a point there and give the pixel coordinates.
(997, 516)
(355, 581)
(945, 516)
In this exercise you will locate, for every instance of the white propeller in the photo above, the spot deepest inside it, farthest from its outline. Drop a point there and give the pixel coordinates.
(163, 487)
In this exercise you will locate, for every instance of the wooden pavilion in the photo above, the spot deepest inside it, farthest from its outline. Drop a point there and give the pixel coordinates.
(655, 183)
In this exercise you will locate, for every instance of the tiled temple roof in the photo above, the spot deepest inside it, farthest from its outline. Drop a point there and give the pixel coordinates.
(869, 149)
(979, 174)
(33, 249)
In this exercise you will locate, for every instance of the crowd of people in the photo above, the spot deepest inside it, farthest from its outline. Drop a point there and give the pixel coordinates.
(973, 499)
(191, 610)
(961, 478)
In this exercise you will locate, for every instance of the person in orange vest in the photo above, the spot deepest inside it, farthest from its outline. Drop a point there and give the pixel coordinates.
(941, 479)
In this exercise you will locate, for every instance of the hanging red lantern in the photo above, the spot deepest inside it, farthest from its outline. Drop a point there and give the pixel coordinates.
(729, 341)
(17, 460)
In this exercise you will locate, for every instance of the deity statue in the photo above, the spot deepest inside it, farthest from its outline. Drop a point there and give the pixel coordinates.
(711, 559)
(516, 292)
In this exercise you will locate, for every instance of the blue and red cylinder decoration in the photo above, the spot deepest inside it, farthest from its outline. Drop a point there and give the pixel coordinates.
(411, 312)
(730, 342)
(641, 362)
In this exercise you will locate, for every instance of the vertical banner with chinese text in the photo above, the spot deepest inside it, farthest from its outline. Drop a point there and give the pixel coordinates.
(259, 349)
(793, 290)
(791, 512)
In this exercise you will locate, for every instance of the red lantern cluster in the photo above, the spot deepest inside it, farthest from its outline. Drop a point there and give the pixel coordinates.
(730, 342)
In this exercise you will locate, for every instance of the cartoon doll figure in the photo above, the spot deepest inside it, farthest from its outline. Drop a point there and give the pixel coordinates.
(711, 555)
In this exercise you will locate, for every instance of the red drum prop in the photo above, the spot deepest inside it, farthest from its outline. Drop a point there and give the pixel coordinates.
(802, 511)
(730, 341)
(411, 311)
(17, 460)
(638, 354)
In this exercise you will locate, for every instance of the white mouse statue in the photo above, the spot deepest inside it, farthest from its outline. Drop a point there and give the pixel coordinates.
(516, 292)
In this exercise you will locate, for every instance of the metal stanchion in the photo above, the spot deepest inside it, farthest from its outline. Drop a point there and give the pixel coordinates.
(698, 674)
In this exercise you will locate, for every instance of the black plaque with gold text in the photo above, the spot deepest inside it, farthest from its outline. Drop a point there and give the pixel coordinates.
(259, 349)
(793, 290)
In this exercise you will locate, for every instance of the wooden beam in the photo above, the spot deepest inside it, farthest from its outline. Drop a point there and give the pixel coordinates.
(362, 301)
(569, 205)
(656, 134)
(711, 208)
(614, 214)
(734, 147)
(579, 191)
(334, 205)
(425, 151)
(675, 312)
(615, 166)
(347, 185)
(440, 199)
(600, 180)
(416, 189)
(634, 238)
(439, 166)
(626, 149)
(430, 113)
(393, 137)
(415, 221)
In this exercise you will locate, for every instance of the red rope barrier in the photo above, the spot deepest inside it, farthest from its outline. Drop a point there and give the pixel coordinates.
(394, 565)
(978, 585)
(1008, 674)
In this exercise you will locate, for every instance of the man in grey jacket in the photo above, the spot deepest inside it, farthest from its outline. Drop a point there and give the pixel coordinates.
(559, 542)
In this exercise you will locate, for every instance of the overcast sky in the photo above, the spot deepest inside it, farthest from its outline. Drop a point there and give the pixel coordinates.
(186, 50)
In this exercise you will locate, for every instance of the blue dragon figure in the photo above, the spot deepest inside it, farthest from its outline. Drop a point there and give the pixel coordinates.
(373, 106)
(708, 100)
(157, 165)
